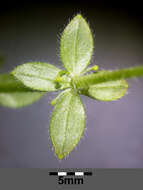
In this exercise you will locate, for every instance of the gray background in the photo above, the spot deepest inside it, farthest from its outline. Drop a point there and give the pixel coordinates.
(101, 179)
(114, 130)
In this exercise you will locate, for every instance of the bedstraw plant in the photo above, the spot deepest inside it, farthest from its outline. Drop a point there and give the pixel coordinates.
(30, 81)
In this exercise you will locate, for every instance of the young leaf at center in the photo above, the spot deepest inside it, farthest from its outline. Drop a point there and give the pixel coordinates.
(67, 123)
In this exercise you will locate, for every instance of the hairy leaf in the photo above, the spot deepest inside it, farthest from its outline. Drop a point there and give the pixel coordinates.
(67, 123)
(76, 45)
(14, 94)
(108, 91)
(38, 76)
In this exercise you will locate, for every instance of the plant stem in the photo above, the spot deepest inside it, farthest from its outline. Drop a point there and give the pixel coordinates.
(104, 76)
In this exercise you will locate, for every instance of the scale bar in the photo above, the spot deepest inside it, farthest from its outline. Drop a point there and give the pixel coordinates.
(70, 173)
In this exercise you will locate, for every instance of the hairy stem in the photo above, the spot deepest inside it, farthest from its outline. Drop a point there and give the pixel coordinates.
(103, 76)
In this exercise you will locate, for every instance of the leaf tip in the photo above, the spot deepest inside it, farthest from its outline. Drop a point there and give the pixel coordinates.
(53, 102)
(60, 156)
(12, 72)
(95, 68)
(79, 16)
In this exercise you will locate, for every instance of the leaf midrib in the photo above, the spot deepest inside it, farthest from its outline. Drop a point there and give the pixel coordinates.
(76, 45)
(37, 77)
(67, 118)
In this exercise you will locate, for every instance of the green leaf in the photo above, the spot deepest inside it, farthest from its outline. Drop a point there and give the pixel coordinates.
(67, 123)
(14, 94)
(108, 91)
(37, 75)
(76, 45)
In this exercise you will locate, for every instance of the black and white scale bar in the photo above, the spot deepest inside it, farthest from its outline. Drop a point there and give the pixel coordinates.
(71, 173)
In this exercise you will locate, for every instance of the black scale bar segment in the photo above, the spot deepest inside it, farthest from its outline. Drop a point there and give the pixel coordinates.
(53, 173)
(88, 173)
(70, 173)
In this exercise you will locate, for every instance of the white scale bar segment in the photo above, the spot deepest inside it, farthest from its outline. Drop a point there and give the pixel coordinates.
(62, 173)
(79, 173)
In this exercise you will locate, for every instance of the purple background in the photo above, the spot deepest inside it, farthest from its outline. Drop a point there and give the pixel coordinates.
(114, 130)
